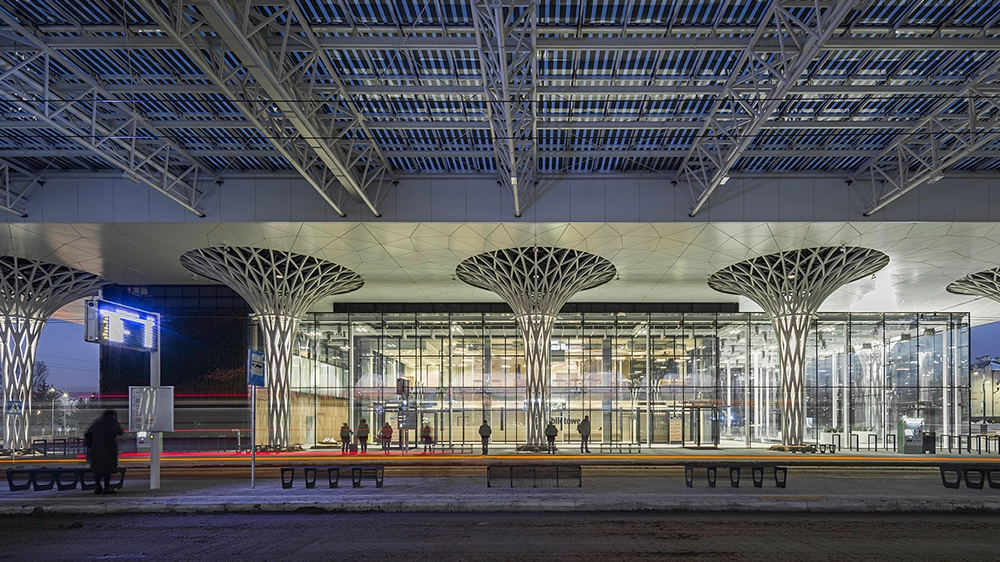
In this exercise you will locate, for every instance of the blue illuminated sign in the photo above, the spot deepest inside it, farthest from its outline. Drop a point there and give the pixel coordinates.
(109, 323)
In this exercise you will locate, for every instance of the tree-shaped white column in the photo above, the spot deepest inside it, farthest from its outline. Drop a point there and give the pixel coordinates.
(790, 287)
(980, 284)
(280, 287)
(536, 282)
(32, 291)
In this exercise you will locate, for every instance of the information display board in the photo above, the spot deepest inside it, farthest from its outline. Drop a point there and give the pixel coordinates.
(151, 408)
(110, 323)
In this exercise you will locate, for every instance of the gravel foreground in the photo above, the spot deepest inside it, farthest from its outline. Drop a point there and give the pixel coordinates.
(567, 537)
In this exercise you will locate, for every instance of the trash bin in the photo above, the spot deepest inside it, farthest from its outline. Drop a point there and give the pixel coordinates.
(930, 442)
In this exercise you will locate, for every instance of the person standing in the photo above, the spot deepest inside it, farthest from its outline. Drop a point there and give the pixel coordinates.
(386, 437)
(363, 432)
(103, 455)
(550, 435)
(345, 439)
(485, 431)
(427, 438)
(583, 428)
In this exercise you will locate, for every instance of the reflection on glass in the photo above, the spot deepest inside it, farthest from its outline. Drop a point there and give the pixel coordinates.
(708, 379)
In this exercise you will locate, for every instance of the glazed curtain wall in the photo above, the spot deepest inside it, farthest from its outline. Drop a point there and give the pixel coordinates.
(692, 379)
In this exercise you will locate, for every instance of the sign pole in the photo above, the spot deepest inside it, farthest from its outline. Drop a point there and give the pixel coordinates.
(256, 365)
(156, 439)
(253, 435)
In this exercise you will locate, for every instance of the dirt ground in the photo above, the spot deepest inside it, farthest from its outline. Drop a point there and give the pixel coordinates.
(575, 537)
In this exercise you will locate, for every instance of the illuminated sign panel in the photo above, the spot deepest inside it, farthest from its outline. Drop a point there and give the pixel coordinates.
(109, 323)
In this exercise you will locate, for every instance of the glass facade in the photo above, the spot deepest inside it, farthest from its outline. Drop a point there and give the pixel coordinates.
(692, 379)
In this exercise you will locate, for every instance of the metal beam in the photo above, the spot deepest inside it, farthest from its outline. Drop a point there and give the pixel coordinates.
(509, 75)
(13, 191)
(549, 40)
(953, 130)
(558, 88)
(344, 145)
(230, 78)
(156, 162)
(407, 123)
(588, 152)
(737, 117)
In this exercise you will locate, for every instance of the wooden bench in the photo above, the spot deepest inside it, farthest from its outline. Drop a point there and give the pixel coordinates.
(43, 478)
(534, 472)
(985, 474)
(756, 472)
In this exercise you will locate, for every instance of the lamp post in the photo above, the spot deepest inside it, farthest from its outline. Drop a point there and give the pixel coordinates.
(52, 409)
(65, 404)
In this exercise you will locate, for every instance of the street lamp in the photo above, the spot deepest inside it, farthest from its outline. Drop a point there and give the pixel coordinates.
(52, 426)
(65, 405)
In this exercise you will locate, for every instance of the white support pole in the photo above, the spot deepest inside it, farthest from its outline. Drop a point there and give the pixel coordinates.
(649, 383)
(845, 431)
(156, 439)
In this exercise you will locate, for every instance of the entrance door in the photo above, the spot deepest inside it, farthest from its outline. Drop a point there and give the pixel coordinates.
(700, 426)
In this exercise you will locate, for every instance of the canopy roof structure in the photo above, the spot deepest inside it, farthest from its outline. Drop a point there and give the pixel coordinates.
(353, 95)
(359, 105)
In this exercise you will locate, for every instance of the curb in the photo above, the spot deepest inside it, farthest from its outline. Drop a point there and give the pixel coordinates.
(745, 505)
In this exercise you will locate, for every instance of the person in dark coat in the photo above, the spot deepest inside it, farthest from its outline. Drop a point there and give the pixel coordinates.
(550, 435)
(345, 438)
(427, 437)
(103, 456)
(485, 431)
(386, 437)
(583, 428)
(363, 432)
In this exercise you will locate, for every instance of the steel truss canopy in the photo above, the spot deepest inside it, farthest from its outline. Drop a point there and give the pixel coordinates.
(354, 96)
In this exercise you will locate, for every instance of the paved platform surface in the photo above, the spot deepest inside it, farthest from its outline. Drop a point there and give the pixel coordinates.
(464, 489)
(653, 479)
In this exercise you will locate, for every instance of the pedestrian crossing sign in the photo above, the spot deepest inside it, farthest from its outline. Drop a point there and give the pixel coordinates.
(15, 407)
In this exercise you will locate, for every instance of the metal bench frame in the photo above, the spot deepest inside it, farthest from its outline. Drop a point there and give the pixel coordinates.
(534, 472)
(756, 472)
(56, 479)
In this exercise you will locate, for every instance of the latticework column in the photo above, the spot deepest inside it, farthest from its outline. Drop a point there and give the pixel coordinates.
(536, 282)
(980, 284)
(790, 287)
(32, 292)
(280, 287)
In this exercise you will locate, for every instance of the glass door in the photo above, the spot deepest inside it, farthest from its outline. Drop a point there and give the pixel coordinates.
(700, 426)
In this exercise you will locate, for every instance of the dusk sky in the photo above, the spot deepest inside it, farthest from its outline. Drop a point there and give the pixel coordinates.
(73, 363)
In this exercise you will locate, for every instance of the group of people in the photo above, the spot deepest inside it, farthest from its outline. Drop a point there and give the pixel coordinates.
(551, 432)
(101, 441)
(485, 432)
(384, 437)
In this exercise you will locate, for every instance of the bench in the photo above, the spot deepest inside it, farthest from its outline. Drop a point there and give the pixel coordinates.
(60, 478)
(309, 475)
(375, 472)
(621, 447)
(534, 472)
(756, 472)
(816, 448)
(985, 474)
